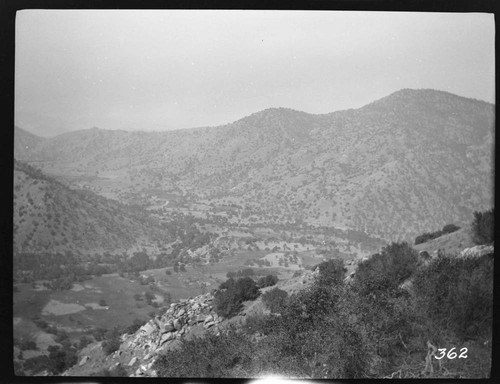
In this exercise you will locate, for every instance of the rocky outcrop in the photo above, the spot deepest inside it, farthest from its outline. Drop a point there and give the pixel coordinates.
(138, 351)
(477, 251)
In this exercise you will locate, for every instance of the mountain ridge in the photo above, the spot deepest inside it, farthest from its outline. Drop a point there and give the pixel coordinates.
(412, 160)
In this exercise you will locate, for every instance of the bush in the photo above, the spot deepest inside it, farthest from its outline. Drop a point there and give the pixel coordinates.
(149, 297)
(61, 358)
(115, 372)
(84, 341)
(232, 294)
(483, 227)
(27, 345)
(138, 323)
(387, 269)
(275, 300)
(228, 355)
(458, 293)
(138, 297)
(450, 228)
(427, 236)
(36, 364)
(331, 272)
(267, 281)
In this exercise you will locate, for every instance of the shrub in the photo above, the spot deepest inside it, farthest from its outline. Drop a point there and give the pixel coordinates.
(132, 328)
(119, 371)
(267, 281)
(450, 228)
(27, 345)
(275, 299)
(232, 294)
(457, 292)
(228, 355)
(483, 227)
(36, 364)
(387, 269)
(149, 297)
(99, 333)
(331, 272)
(61, 358)
(427, 236)
(111, 345)
(84, 341)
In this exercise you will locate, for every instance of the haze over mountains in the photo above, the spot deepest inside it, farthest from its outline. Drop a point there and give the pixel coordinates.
(400, 166)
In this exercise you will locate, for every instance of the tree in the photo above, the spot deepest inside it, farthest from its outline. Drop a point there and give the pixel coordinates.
(267, 281)
(149, 297)
(231, 294)
(275, 299)
(387, 269)
(483, 227)
(331, 272)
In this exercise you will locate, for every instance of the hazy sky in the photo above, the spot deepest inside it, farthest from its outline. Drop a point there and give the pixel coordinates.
(160, 70)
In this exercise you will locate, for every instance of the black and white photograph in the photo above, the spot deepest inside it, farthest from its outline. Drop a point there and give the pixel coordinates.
(253, 194)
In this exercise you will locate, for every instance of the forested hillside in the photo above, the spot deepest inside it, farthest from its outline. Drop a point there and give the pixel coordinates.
(414, 160)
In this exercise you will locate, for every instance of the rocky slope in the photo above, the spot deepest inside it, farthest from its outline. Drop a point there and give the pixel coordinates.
(414, 160)
(183, 320)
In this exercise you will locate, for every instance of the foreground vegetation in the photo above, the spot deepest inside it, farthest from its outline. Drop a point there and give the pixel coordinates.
(389, 321)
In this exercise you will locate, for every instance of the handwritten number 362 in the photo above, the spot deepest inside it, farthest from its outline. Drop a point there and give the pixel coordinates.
(451, 354)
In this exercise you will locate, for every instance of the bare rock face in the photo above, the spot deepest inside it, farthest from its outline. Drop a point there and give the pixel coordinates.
(477, 251)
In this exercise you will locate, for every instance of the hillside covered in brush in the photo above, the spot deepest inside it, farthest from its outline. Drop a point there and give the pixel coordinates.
(414, 160)
(50, 216)
(392, 318)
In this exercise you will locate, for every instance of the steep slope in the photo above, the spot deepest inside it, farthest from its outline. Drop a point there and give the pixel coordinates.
(414, 160)
(25, 141)
(49, 216)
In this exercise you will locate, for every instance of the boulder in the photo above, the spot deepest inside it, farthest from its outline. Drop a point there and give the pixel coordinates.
(168, 327)
(177, 324)
(147, 329)
(132, 361)
(167, 337)
(83, 360)
(181, 312)
(208, 318)
(208, 324)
